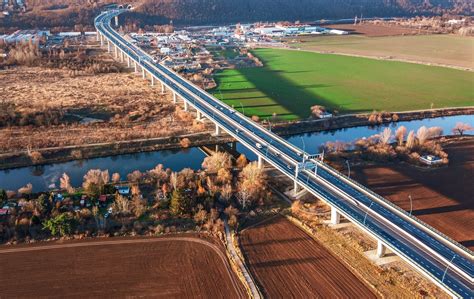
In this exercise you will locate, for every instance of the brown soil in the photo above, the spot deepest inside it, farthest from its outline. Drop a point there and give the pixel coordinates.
(374, 29)
(287, 262)
(178, 267)
(441, 197)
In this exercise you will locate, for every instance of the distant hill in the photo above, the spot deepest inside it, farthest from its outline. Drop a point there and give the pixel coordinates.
(67, 13)
(225, 11)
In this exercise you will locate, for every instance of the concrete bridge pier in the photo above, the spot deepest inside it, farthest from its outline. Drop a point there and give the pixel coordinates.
(128, 61)
(186, 106)
(163, 90)
(108, 46)
(135, 67)
(335, 216)
(143, 73)
(260, 161)
(198, 115)
(381, 249)
(175, 97)
(98, 36)
(122, 58)
(116, 52)
(116, 21)
(152, 80)
(101, 40)
(218, 130)
(295, 188)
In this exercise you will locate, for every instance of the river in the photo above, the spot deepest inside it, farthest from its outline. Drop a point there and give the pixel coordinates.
(44, 176)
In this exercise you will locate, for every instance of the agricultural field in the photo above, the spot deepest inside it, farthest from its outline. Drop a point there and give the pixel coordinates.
(292, 81)
(177, 267)
(286, 262)
(441, 197)
(442, 49)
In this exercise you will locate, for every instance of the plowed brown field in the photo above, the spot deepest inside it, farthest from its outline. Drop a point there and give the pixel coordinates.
(441, 197)
(287, 263)
(180, 267)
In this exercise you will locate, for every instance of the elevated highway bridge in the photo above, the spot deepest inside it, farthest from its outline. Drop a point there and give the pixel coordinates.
(444, 261)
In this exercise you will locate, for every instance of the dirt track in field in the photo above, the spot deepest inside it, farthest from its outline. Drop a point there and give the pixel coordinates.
(177, 267)
(287, 263)
(443, 198)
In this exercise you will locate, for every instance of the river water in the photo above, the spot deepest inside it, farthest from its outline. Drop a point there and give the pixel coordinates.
(44, 176)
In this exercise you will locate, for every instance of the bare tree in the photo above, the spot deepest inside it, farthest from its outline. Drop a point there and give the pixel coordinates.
(242, 161)
(135, 177)
(26, 190)
(461, 128)
(121, 205)
(216, 161)
(226, 192)
(422, 135)
(410, 140)
(385, 136)
(116, 178)
(400, 134)
(65, 183)
(224, 176)
(95, 180)
(435, 132)
(174, 180)
(243, 195)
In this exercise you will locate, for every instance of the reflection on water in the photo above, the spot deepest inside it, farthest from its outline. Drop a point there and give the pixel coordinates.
(44, 176)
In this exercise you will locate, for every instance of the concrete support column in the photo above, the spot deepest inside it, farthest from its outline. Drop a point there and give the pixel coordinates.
(234, 146)
(135, 66)
(295, 188)
(163, 90)
(108, 46)
(152, 80)
(198, 115)
(101, 40)
(116, 51)
(98, 36)
(260, 161)
(335, 216)
(218, 130)
(175, 98)
(186, 106)
(128, 61)
(143, 73)
(381, 249)
(122, 56)
(116, 21)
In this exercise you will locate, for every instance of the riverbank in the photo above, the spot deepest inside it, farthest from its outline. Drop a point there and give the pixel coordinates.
(72, 153)
(358, 120)
(89, 151)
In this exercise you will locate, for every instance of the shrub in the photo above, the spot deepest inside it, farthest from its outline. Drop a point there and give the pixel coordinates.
(185, 142)
(62, 225)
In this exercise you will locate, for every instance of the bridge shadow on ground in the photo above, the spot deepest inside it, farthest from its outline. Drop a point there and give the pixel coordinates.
(294, 98)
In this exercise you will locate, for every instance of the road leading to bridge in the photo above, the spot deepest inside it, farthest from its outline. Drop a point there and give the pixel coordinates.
(443, 261)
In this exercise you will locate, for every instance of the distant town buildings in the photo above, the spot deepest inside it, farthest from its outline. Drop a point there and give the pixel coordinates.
(24, 35)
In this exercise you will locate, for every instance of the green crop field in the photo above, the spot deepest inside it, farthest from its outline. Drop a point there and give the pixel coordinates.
(292, 81)
(442, 49)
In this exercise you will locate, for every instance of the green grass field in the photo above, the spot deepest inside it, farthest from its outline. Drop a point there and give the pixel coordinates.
(440, 49)
(293, 81)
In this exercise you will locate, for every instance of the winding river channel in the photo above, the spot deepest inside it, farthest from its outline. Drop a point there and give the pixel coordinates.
(42, 177)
